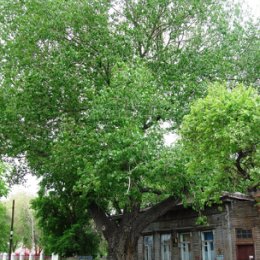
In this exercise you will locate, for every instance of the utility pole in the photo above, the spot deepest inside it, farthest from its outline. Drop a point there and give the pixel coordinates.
(33, 234)
(11, 233)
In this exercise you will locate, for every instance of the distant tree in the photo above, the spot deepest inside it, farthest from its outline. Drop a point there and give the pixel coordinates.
(220, 138)
(26, 232)
(4, 223)
(4, 229)
(86, 86)
(3, 188)
(63, 219)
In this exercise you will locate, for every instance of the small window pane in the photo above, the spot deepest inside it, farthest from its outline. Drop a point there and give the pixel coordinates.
(148, 240)
(186, 237)
(165, 237)
(208, 235)
(244, 233)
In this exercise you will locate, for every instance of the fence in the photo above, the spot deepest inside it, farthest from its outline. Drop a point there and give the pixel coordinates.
(31, 256)
(22, 256)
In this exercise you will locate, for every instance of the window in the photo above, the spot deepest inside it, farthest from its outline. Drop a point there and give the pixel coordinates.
(244, 233)
(185, 246)
(166, 247)
(148, 247)
(208, 252)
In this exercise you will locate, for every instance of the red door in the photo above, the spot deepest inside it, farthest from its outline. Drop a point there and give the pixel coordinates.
(245, 251)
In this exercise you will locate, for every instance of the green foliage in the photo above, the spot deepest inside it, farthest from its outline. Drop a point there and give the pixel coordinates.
(120, 161)
(86, 86)
(55, 68)
(4, 220)
(5, 228)
(3, 188)
(64, 224)
(221, 140)
(202, 220)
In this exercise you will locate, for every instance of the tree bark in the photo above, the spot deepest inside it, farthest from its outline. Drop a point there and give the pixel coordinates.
(122, 232)
(120, 248)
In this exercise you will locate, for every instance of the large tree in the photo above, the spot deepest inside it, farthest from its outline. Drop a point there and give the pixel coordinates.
(87, 85)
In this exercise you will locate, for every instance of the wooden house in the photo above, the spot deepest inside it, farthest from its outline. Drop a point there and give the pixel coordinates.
(232, 232)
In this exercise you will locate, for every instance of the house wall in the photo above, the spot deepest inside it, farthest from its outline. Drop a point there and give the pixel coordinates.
(245, 215)
(222, 221)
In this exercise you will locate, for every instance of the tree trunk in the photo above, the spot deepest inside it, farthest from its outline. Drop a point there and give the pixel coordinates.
(122, 232)
(120, 248)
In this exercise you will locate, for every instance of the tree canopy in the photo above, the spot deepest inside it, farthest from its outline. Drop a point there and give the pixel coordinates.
(87, 85)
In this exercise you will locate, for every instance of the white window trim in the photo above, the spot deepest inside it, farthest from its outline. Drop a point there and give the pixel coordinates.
(208, 245)
(161, 244)
(181, 242)
(150, 252)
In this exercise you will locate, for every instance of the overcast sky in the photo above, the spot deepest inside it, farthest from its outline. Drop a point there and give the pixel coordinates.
(254, 6)
(31, 185)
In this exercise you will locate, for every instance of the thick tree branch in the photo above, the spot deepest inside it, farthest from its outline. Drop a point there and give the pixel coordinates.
(242, 155)
(150, 215)
(103, 222)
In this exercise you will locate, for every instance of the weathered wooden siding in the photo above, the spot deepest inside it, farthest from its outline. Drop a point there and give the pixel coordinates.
(222, 221)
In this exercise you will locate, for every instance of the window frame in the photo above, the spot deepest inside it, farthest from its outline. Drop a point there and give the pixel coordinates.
(246, 233)
(208, 243)
(169, 243)
(188, 244)
(151, 246)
